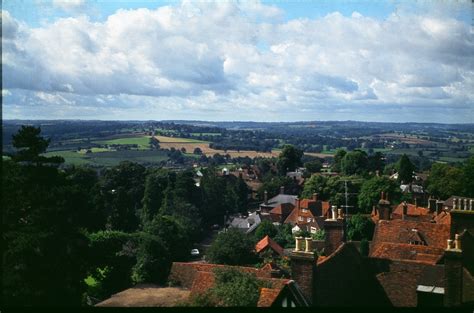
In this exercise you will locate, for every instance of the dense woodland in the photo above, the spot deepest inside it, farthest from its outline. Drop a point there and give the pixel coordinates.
(118, 226)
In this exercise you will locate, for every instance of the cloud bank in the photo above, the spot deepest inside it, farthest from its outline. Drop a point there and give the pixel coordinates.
(237, 61)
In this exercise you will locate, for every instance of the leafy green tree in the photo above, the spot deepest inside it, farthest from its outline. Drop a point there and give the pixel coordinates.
(371, 189)
(266, 228)
(284, 237)
(405, 169)
(355, 162)
(232, 247)
(155, 185)
(316, 184)
(236, 289)
(289, 159)
(121, 193)
(313, 166)
(338, 157)
(360, 227)
(153, 260)
(30, 145)
(376, 162)
(468, 178)
(320, 234)
(445, 181)
(272, 184)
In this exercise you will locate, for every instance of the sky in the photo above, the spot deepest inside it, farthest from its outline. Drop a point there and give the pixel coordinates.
(284, 60)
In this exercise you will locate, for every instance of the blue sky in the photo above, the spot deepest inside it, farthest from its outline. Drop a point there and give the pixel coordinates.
(249, 60)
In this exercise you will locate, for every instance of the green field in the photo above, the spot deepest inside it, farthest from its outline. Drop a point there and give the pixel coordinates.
(110, 158)
(206, 134)
(143, 142)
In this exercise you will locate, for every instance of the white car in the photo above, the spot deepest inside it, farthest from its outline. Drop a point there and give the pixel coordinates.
(195, 252)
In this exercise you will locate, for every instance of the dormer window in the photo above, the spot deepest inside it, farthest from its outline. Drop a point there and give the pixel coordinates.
(304, 210)
(300, 218)
(309, 220)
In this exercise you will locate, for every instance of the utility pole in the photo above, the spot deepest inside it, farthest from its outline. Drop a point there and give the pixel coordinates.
(346, 195)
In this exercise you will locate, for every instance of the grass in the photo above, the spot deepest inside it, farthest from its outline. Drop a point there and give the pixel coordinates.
(206, 134)
(71, 157)
(143, 142)
(165, 139)
(95, 150)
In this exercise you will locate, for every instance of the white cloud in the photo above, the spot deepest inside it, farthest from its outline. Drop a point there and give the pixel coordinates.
(70, 5)
(211, 56)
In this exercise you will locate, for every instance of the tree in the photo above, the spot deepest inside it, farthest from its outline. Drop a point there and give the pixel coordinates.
(371, 189)
(354, 162)
(468, 178)
(30, 145)
(289, 159)
(405, 170)
(313, 166)
(266, 228)
(232, 288)
(376, 162)
(340, 154)
(197, 151)
(445, 181)
(153, 260)
(320, 234)
(316, 184)
(360, 227)
(232, 247)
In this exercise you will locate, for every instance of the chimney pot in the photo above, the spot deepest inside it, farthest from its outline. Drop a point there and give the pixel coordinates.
(405, 209)
(382, 196)
(315, 196)
(298, 242)
(282, 190)
(439, 207)
(339, 213)
(308, 248)
(471, 205)
(457, 242)
(450, 244)
(334, 211)
(465, 204)
(455, 200)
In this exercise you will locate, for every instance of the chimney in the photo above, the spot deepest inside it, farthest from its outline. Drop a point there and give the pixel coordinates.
(455, 200)
(265, 197)
(282, 190)
(465, 204)
(303, 268)
(453, 272)
(334, 211)
(405, 210)
(298, 201)
(416, 202)
(432, 205)
(334, 230)
(339, 214)
(315, 196)
(439, 207)
(384, 209)
(471, 205)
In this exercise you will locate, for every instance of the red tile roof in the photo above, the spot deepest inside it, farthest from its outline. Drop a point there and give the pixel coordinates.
(412, 210)
(401, 231)
(443, 218)
(282, 209)
(402, 251)
(267, 297)
(268, 242)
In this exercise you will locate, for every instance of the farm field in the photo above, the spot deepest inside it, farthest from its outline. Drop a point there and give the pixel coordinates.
(143, 142)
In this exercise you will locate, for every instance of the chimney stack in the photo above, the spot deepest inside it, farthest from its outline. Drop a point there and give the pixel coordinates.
(265, 197)
(416, 202)
(453, 272)
(405, 210)
(439, 207)
(455, 200)
(339, 214)
(315, 196)
(465, 204)
(471, 205)
(432, 205)
(303, 268)
(282, 190)
(298, 203)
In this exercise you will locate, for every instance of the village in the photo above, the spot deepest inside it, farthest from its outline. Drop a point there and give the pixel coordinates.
(418, 256)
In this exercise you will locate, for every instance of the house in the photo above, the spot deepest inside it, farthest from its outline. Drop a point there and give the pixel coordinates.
(246, 224)
(266, 245)
(281, 198)
(412, 212)
(308, 214)
(279, 213)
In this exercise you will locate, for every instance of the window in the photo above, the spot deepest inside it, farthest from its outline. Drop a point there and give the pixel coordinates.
(300, 218)
(304, 210)
(309, 220)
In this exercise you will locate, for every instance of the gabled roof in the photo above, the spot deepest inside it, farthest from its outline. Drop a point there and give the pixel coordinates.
(267, 297)
(268, 242)
(443, 218)
(282, 209)
(279, 199)
(412, 210)
(402, 251)
(400, 231)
